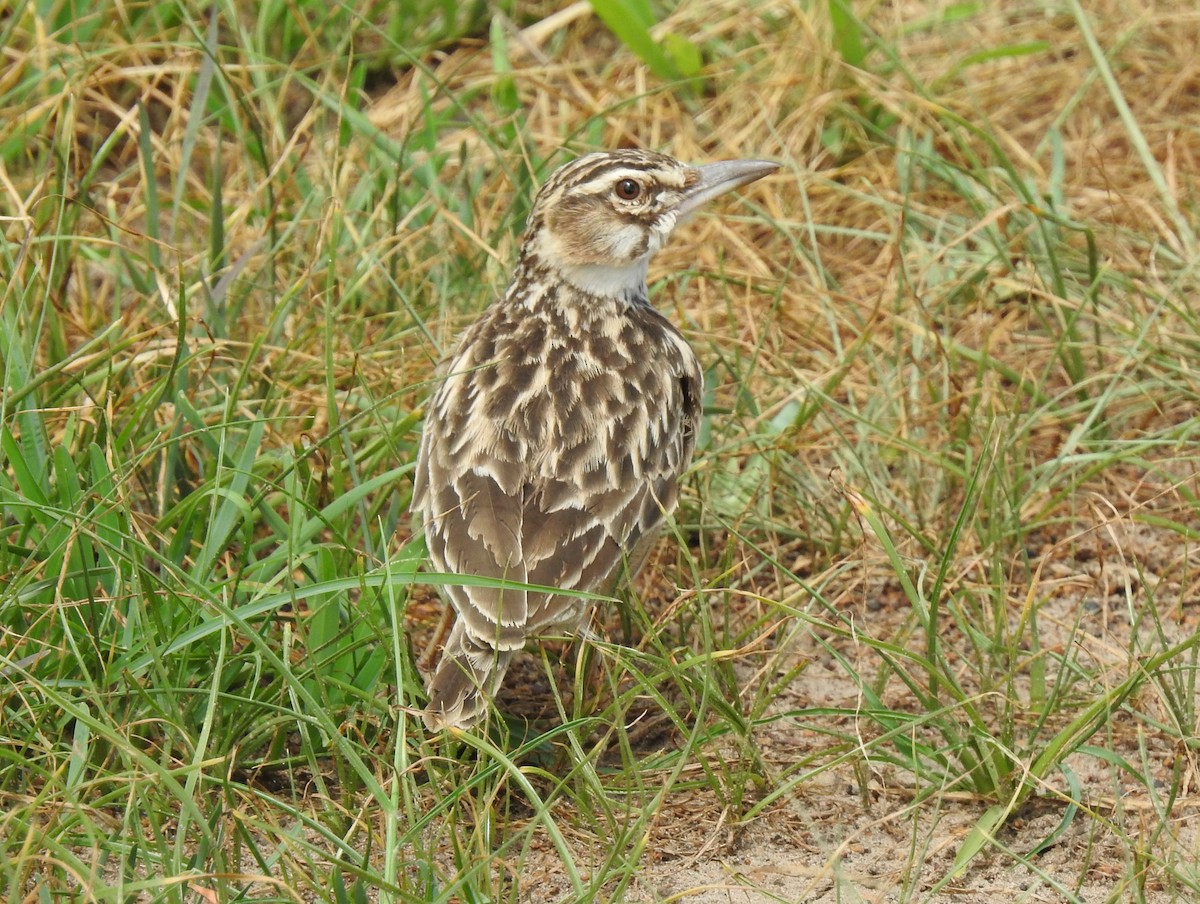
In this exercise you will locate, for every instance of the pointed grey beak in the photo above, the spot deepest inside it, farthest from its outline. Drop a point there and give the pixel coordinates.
(718, 178)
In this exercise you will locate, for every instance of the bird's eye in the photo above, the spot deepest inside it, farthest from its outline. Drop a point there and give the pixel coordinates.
(628, 189)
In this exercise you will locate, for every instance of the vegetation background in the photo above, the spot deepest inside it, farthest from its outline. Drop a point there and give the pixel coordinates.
(926, 628)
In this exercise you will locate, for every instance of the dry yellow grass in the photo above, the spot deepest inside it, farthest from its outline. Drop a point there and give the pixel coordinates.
(910, 297)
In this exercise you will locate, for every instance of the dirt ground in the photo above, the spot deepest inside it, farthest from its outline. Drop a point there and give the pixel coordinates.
(846, 835)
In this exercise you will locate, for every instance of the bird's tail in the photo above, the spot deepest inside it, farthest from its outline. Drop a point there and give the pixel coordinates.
(466, 679)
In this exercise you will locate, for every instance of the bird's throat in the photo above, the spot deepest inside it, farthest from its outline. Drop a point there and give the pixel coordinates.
(626, 283)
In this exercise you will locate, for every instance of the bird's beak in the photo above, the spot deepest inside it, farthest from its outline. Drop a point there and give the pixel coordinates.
(720, 177)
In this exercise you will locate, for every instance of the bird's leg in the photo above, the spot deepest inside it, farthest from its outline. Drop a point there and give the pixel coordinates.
(436, 640)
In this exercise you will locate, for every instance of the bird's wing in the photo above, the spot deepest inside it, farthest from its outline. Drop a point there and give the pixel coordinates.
(468, 493)
(620, 484)
(474, 526)
(498, 507)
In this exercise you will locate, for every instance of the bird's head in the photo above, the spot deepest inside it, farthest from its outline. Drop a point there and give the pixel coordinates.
(599, 219)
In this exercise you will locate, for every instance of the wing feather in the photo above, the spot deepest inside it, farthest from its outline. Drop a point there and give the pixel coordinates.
(508, 491)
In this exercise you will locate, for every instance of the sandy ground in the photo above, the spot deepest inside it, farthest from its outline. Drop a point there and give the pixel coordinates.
(860, 833)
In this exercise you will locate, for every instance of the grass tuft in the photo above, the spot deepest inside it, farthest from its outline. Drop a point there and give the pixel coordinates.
(925, 622)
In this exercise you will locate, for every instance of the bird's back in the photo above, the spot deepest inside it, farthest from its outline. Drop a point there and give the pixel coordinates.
(554, 448)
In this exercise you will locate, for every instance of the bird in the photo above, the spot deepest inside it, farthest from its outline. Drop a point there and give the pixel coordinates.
(552, 449)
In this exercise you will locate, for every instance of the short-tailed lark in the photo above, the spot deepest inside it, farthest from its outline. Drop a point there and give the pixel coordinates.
(553, 448)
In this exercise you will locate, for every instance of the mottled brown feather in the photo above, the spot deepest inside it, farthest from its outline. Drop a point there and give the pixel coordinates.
(553, 447)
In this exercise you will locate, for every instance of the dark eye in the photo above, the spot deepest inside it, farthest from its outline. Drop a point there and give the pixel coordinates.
(628, 189)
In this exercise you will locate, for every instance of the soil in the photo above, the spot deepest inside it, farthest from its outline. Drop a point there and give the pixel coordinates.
(864, 830)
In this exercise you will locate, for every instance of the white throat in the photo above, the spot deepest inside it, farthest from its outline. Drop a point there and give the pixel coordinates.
(608, 281)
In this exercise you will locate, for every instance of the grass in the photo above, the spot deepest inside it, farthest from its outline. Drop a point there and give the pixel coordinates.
(925, 625)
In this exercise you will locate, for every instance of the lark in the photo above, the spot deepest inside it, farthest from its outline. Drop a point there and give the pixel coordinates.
(553, 448)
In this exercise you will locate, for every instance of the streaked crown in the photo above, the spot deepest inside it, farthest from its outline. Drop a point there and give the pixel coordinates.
(599, 219)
